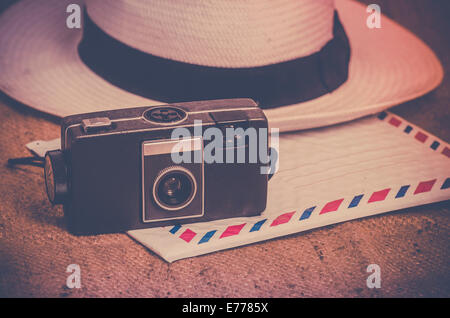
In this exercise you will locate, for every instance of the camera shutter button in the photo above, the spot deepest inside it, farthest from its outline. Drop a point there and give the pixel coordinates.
(97, 123)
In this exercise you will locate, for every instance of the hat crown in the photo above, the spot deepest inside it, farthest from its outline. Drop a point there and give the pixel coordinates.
(218, 33)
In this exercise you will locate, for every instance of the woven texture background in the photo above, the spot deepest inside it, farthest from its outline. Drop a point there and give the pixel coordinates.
(411, 246)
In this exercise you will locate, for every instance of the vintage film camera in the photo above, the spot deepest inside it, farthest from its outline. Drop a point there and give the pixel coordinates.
(115, 170)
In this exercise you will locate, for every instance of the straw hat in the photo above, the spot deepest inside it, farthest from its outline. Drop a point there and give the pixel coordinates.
(308, 63)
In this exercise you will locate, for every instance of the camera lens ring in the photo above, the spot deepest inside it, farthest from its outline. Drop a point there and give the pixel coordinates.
(164, 174)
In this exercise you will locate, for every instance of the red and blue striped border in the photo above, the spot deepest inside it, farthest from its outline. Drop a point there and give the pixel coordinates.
(187, 234)
(418, 134)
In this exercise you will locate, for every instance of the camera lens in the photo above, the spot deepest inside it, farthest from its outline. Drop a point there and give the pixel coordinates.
(174, 188)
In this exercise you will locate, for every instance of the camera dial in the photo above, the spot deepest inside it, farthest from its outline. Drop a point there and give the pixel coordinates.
(174, 188)
(167, 115)
(55, 174)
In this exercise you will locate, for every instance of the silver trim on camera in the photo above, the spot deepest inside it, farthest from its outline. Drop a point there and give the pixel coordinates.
(162, 127)
(150, 148)
(167, 146)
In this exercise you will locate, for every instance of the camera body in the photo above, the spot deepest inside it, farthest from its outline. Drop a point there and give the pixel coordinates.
(116, 171)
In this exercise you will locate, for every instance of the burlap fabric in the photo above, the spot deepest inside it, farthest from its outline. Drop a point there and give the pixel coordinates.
(410, 246)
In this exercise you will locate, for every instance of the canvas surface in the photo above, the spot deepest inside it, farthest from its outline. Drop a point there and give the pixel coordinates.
(410, 246)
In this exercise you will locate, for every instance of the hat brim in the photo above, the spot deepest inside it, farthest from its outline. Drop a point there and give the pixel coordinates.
(40, 67)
